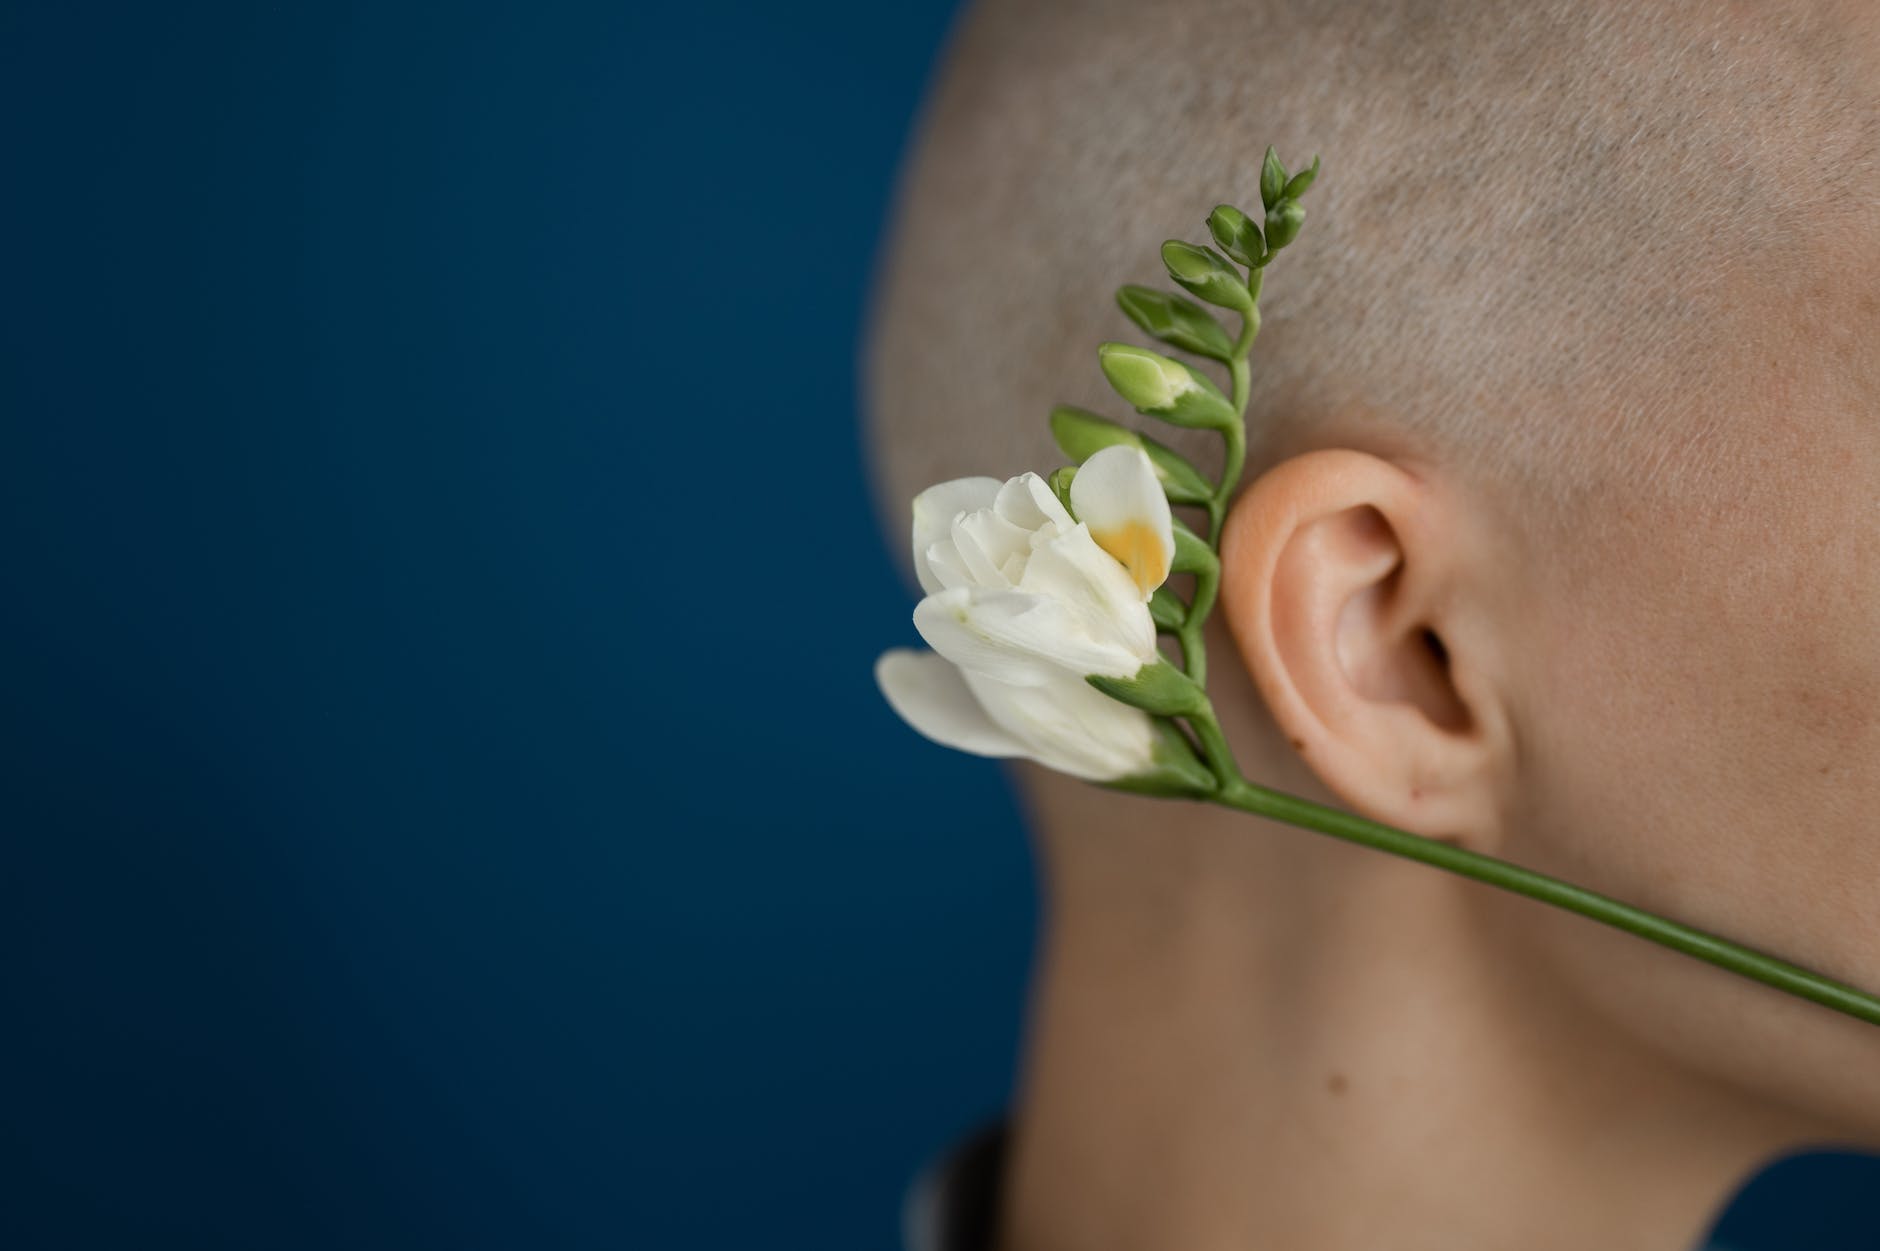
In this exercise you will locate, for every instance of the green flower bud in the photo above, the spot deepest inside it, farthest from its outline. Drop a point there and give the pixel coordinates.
(1192, 553)
(1272, 180)
(1206, 273)
(1060, 484)
(1178, 322)
(1167, 609)
(1302, 181)
(1157, 386)
(1282, 224)
(1082, 435)
(1236, 234)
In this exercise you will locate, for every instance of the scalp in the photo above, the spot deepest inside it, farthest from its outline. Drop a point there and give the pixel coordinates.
(1553, 248)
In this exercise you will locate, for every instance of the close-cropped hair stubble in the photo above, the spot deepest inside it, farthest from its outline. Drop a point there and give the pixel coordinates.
(1544, 233)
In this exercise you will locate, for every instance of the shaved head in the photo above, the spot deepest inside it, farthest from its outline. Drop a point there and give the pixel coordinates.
(1581, 254)
(1558, 536)
(1558, 539)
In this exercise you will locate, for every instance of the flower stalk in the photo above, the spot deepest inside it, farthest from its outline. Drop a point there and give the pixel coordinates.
(1234, 791)
(1045, 598)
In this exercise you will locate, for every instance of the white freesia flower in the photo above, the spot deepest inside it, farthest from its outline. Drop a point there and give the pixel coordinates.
(1022, 602)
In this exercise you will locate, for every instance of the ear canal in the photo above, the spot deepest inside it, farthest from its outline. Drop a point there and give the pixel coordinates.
(1437, 649)
(1423, 669)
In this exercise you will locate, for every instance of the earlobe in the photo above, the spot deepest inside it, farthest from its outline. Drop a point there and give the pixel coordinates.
(1337, 583)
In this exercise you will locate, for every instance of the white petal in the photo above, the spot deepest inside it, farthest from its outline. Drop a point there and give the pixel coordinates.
(943, 618)
(1070, 726)
(986, 542)
(1072, 570)
(1029, 501)
(1117, 494)
(943, 562)
(1016, 637)
(930, 695)
(934, 512)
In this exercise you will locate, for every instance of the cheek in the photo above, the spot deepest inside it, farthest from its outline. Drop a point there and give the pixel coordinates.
(1700, 710)
(1788, 785)
(1715, 757)
(1797, 660)
(1714, 752)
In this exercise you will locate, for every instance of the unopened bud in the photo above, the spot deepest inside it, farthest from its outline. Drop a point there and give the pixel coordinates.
(1177, 321)
(1207, 274)
(1282, 224)
(1302, 181)
(1161, 387)
(1236, 234)
(1272, 180)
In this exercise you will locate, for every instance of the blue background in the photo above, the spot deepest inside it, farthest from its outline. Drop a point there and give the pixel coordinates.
(435, 813)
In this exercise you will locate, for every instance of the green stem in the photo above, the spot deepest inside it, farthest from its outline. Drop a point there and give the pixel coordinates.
(1208, 585)
(1232, 790)
(1235, 435)
(1238, 793)
(1194, 650)
(1214, 746)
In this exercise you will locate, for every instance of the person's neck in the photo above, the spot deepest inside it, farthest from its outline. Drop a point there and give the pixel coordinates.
(1245, 1036)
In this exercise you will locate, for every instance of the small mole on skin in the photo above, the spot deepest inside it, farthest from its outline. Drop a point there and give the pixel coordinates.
(1336, 1083)
(1298, 744)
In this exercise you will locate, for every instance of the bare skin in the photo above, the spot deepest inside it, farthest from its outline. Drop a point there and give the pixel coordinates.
(1244, 1035)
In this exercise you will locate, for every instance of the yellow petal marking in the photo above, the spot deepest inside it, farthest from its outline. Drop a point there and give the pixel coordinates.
(1137, 546)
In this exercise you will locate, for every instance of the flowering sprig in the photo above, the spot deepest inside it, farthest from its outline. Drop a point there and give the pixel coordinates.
(1044, 596)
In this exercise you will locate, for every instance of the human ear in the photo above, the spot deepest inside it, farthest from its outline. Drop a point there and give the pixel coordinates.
(1347, 597)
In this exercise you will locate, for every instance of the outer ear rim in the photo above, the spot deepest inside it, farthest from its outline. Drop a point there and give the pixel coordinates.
(1265, 519)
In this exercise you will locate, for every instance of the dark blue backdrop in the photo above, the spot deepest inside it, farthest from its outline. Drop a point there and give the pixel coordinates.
(435, 813)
